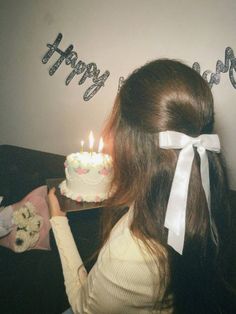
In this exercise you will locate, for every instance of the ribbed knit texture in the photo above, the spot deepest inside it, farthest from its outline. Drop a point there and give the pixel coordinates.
(123, 280)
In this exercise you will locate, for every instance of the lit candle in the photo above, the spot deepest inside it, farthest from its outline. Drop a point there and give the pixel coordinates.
(100, 145)
(91, 142)
(82, 146)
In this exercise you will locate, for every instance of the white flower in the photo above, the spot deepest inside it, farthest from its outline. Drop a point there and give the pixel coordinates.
(19, 219)
(28, 225)
(22, 241)
(34, 237)
(34, 223)
(23, 214)
(30, 208)
(25, 211)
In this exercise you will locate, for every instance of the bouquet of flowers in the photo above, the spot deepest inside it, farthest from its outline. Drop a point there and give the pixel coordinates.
(28, 224)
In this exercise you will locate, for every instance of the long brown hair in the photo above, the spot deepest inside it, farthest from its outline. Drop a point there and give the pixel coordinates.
(168, 95)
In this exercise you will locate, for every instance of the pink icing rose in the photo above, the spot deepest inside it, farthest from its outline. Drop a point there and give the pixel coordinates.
(79, 199)
(104, 172)
(97, 199)
(81, 171)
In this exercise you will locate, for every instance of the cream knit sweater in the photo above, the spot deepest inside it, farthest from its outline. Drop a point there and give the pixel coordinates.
(123, 280)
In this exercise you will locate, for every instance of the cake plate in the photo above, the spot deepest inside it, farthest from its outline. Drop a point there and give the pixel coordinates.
(68, 204)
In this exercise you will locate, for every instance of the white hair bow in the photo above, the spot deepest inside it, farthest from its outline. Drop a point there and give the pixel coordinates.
(176, 208)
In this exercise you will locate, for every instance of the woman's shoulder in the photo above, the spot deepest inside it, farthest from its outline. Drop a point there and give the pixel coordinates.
(125, 261)
(124, 245)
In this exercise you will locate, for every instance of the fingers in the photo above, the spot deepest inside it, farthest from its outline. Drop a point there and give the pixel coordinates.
(54, 206)
(52, 191)
(52, 196)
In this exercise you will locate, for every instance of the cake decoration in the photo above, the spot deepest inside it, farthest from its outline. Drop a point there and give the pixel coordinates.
(88, 174)
(81, 171)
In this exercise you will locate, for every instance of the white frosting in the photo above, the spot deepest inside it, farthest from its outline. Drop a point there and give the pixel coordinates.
(87, 177)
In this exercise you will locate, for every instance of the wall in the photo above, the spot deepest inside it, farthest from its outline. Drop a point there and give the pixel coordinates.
(39, 111)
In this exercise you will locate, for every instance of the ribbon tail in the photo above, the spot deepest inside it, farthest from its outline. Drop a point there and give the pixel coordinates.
(176, 241)
(206, 187)
(176, 208)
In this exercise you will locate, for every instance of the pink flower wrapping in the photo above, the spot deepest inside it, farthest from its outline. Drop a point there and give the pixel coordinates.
(38, 198)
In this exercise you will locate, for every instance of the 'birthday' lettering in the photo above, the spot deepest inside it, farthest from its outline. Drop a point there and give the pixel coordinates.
(229, 65)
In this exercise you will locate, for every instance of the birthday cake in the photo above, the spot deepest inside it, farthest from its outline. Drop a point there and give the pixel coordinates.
(87, 177)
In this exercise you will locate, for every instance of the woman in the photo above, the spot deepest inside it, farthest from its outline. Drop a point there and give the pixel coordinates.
(167, 221)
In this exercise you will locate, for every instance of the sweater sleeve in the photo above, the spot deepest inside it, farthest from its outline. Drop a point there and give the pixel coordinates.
(74, 272)
(119, 282)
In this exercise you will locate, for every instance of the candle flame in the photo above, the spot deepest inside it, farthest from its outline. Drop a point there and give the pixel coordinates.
(100, 145)
(91, 140)
(82, 146)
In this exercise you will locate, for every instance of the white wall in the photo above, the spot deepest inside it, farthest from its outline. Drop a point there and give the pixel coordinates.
(38, 111)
